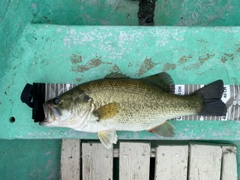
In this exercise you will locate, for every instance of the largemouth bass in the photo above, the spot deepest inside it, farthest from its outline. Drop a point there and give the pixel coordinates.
(119, 103)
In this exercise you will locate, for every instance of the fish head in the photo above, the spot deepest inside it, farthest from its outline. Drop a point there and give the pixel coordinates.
(70, 109)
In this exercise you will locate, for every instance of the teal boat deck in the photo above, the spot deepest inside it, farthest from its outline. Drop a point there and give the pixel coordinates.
(77, 41)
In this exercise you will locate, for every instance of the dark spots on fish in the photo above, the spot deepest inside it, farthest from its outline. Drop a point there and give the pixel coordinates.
(91, 64)
(168, 66)
(146, 66)
(76, 58)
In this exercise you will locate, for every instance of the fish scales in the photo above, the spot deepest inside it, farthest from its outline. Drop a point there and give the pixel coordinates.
(140, 102)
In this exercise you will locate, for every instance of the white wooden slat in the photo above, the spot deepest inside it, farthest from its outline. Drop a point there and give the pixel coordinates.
(97, 162)
(70, 159)
(171, 163)
(205, 162)
(134, 161)
(229, 166)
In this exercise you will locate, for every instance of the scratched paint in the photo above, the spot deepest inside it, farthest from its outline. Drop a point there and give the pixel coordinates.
(146, 65)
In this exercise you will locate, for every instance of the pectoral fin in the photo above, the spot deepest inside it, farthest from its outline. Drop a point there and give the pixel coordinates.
(165, 129)
(107, 111)
(108, 138)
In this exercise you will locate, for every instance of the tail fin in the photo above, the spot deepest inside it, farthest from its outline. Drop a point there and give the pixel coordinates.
(212, 94)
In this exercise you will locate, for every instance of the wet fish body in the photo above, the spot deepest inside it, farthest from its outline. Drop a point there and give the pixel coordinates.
(120, 103)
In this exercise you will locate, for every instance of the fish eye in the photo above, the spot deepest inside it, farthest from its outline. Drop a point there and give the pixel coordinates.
(56, 101)
(86, 98)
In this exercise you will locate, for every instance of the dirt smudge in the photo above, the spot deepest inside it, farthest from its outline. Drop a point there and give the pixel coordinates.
(90, 64)
(76, 58)
(226, 57)
(146, 66)
(130, 64)
(78, 79)
(223, 59)
(229, 56)
(201, 61)
(168, 66)
(184, 59)
(205, 58)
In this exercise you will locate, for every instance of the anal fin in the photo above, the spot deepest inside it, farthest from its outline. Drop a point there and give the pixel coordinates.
(108, 138)
(165, 129)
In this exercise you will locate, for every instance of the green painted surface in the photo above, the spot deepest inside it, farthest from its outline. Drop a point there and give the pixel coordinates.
(34, 50)
(197, 13)
(30, 159)
(46, 54)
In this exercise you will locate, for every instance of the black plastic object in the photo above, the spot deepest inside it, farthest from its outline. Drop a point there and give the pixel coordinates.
(34, 97)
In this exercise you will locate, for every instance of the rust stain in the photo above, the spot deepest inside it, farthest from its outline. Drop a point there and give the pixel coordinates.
(168, 66)
(146, 66)
(76, 58)
(91, 64)
(184, 59)
(78, 79)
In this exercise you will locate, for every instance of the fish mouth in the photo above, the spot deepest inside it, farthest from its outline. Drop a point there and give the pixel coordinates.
(49, 113)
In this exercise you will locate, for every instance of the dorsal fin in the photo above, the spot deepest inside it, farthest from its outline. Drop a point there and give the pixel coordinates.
(163, 80)
(116, 75)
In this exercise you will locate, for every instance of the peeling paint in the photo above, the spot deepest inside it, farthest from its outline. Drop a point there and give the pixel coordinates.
(207, 57)
(168, 66)
(76, 58)
(201, 61)
(90, 64)
(78, 79)
(230, 56)
(115, 68)
(146, 66)
(223, 59)
(184, 59)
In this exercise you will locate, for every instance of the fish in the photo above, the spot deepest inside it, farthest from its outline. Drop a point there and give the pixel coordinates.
(119, 103)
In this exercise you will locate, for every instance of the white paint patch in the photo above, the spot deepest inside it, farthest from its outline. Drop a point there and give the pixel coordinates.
(58, 30)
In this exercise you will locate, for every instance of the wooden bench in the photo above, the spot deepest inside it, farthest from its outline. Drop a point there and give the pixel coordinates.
(138, 161)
